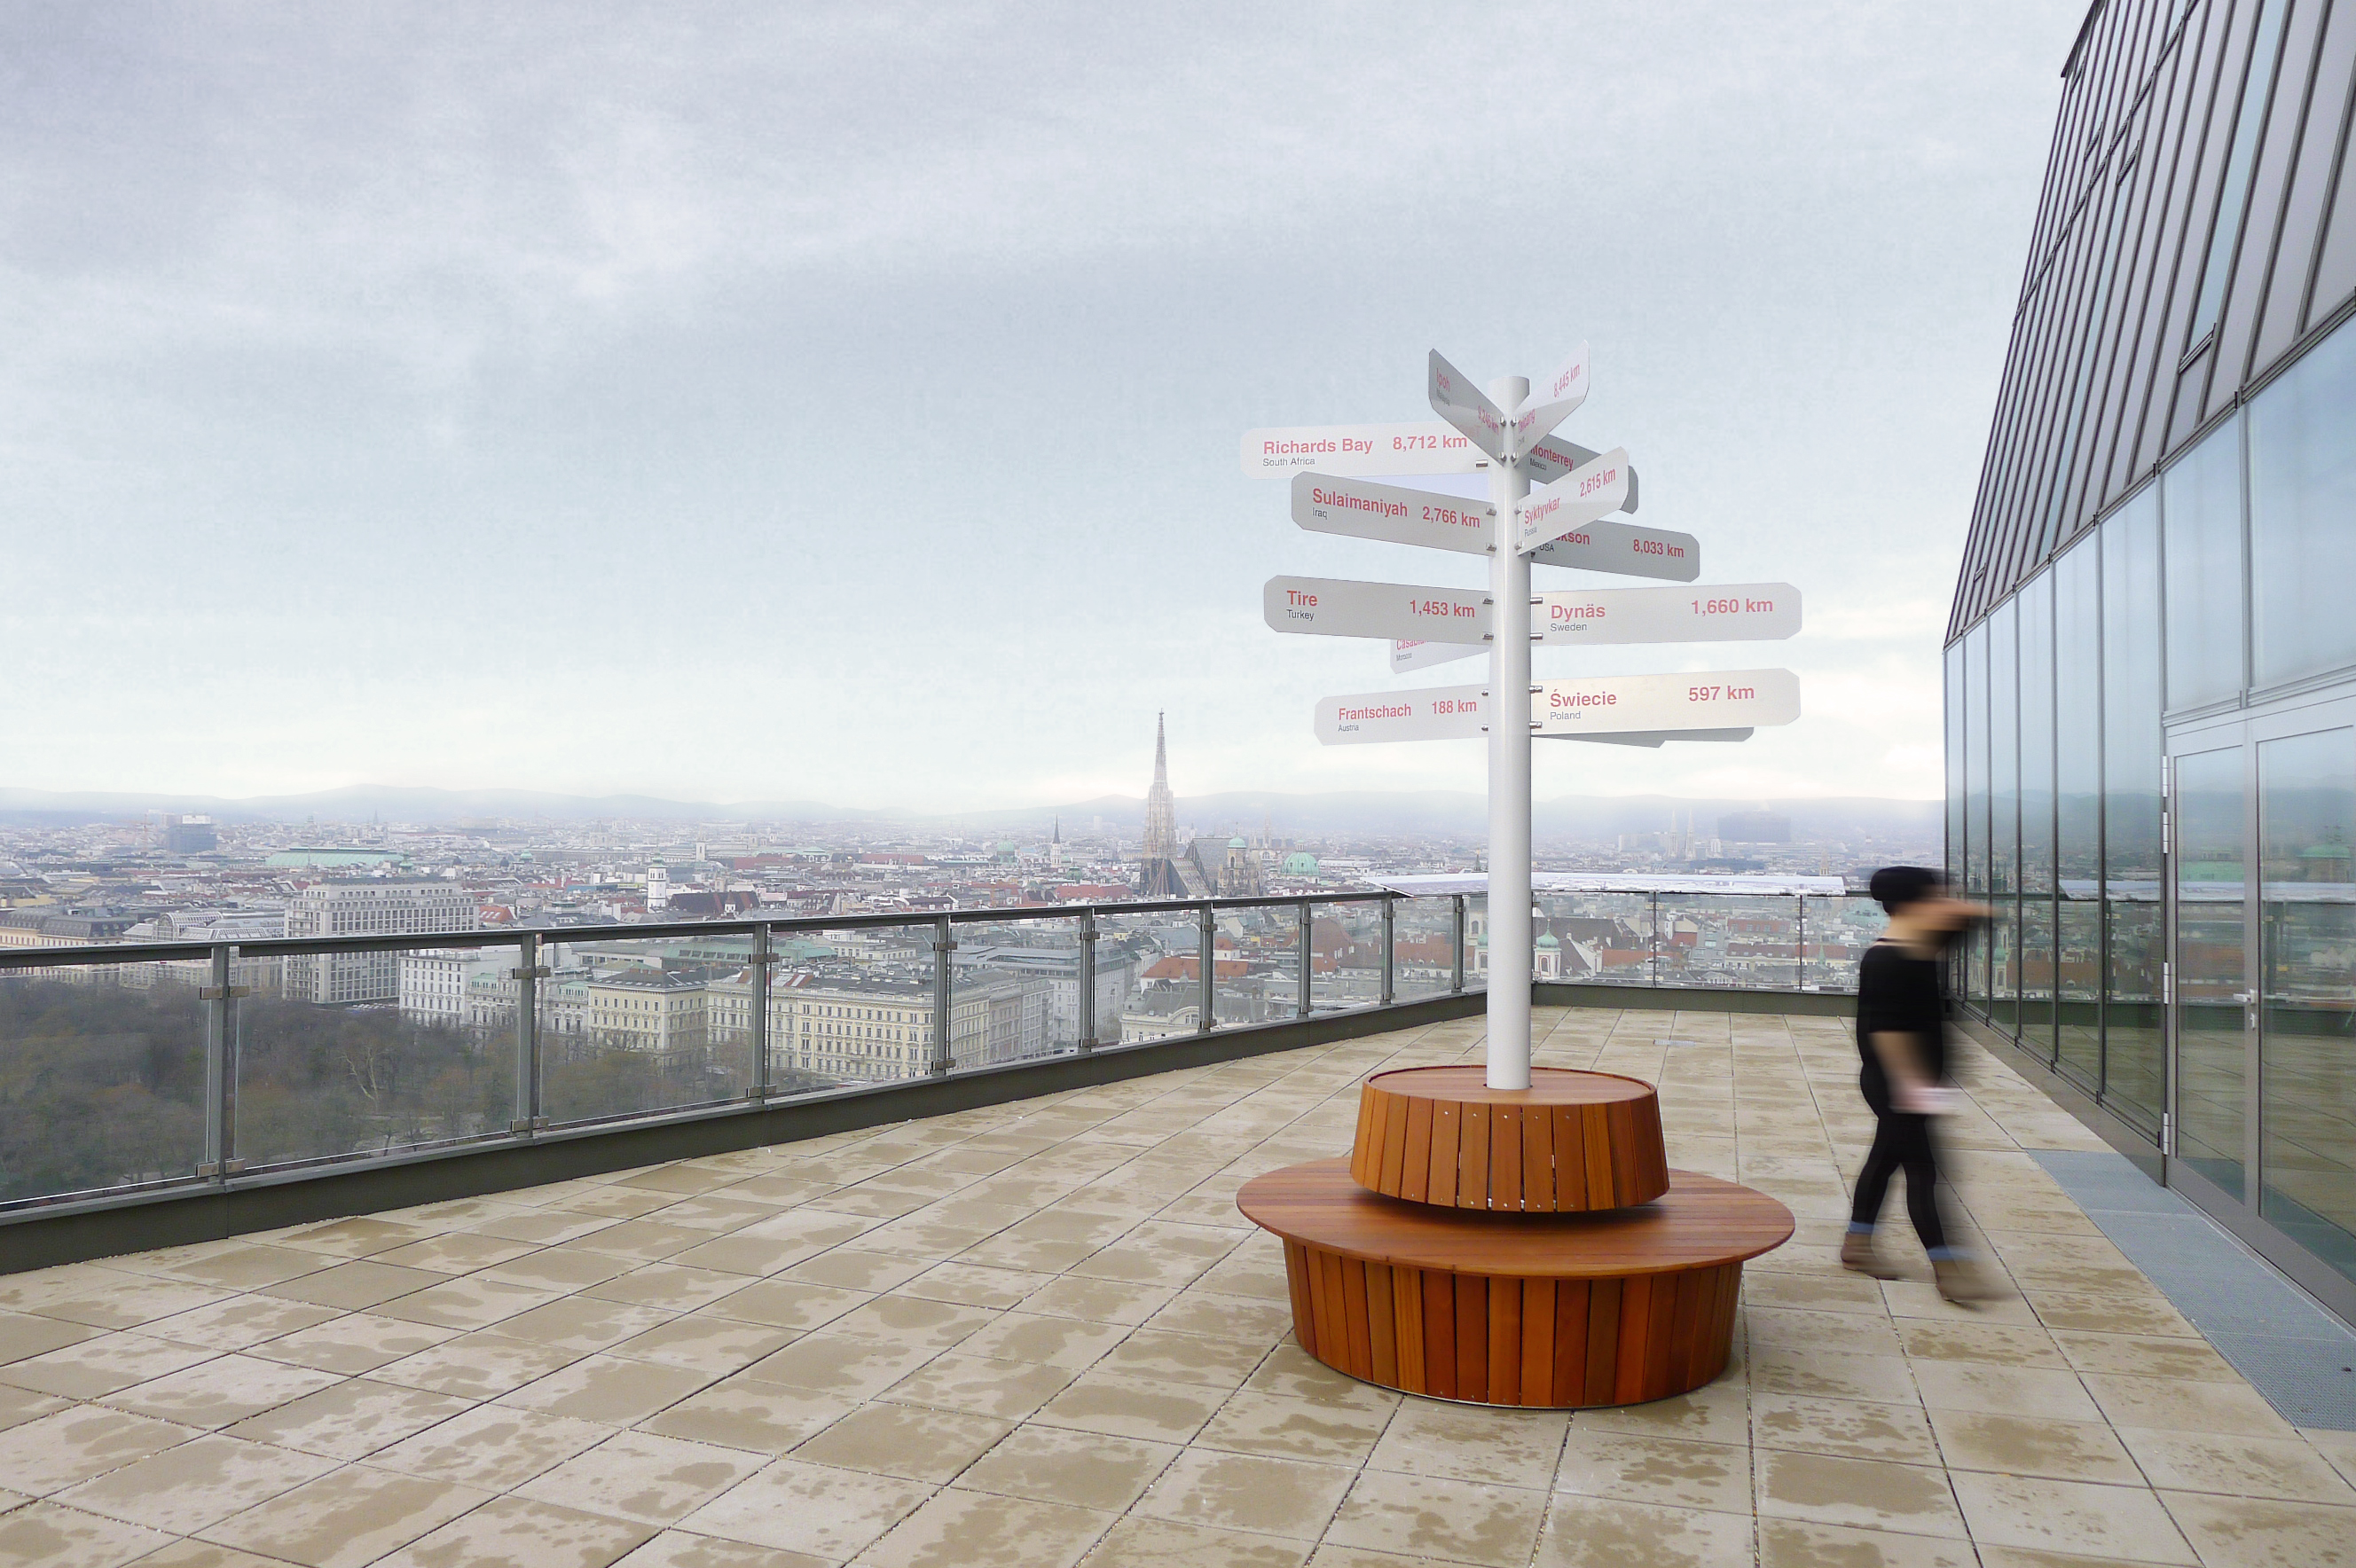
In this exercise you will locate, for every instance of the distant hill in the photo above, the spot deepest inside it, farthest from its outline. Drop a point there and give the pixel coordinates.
(1453, 811)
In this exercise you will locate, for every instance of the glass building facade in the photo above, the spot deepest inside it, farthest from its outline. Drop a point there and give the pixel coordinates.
(2151, 663)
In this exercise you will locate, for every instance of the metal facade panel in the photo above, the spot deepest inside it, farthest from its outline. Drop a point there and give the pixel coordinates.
(2262, 214)
(2292, 265)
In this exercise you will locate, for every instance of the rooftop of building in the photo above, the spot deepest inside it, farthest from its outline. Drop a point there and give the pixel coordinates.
(1039, 1333)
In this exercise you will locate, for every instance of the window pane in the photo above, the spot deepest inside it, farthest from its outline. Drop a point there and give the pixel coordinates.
(2257, 83)
(2134, 1067)
(2078, 806)
(2204, 570)
(2307, 932)
(1976, 798)
(2035, 962)
(2211, 975)
(2004, 814)
(2303, 514)
(1956, 846)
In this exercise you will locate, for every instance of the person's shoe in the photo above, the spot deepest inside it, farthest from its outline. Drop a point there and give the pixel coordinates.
(1856, 1253)
(1962, 1282)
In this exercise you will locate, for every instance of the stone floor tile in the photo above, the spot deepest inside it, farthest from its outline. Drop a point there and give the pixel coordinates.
(1856, 1429)
(1995, 1344)
(1791, 1543)
(189, 1553)
(1823, 1293)
(1832, 1373)
(642, 1241)
(2186, 1406)
(1072, 1343)
(223, 1390)
(855, 1268)
(1298, 1430)
(2145, 1355)
(760, 1418)
(561, 1268)
(1125, 1406)
(473, 1302)
(974, 1284)
(346, 1519)
(714, 1345)
(73, 1444)
(1086, 1470)
(2280, 1468)
(643, 1477)
(579, 1323)
(352, 1419)
(238, 1324)
(455, 1251)
(354, 1286)
(2004, 1390)
(607, 1389)
(2034, 1446)
(1598, 1532)
(1184, 1357)
(45, 1535)
(2111, 1312)
(1430, 1437)
(851, 1366)
(907, 1441)
(549, 1229)
(911, 1320)
(130, 1301)
(980, 1385)
(2252, 1532)
(353, 1343)
(2338, 1447)
(1919, 1298)
(794, 1305)
(353, 1238)
(1869, 1494)
(514, 1532)
(1248, 1492)
(678, 1549)
(1854, 1333)
(959, 1528)
(491, 1446)
(1668, 1472)
(1138, 1542)
(1716, 1413)
(95, 1368)
(476, 1366)
(2070, 1516)
(1430, 1516)
(19, 1405)
(1098, 1300)
(198, 1483)
(1295, 1373)
(796, 1506)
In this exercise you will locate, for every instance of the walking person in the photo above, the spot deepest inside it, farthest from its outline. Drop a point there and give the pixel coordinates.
(1901, 1040)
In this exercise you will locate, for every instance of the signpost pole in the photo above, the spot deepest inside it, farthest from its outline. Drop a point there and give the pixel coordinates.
(1509, 773)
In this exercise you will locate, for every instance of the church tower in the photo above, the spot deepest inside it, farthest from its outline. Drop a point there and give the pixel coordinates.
(1158, 868)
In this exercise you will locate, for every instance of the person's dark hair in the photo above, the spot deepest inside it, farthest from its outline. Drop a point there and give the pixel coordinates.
(1895, 887)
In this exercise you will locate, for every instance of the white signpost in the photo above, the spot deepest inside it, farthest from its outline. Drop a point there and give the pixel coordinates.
(1504, 432)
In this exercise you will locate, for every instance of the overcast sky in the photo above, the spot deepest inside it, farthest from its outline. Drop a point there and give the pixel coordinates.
(841, 403)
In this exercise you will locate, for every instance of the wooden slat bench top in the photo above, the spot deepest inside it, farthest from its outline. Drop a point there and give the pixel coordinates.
(1700, 1221)
(1549, 1086)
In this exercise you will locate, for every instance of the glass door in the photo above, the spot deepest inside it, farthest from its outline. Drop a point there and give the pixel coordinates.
(2215, 999)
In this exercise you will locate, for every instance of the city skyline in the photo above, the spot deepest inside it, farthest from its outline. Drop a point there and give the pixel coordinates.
(448, 432)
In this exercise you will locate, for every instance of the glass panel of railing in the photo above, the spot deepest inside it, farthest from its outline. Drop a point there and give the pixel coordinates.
(102, 1079)
(1838, 931)
(851, 1007)
(1595, 938)
(1346, 956)
(1423, 946)
(1476, 942)
(1741, 943)
(346, 1054)
(638, 1025)
(1255, 962)
(1025, 974)
(1154, 960)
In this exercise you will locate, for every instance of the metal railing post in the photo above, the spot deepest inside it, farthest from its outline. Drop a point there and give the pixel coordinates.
(1391, 943)
(526, 975)
(762, 959)
(1087, 1041)
(1456, 962)
(1301, 1003)
(220, 1071)
(943, 1000)
(1206, 979)
(1801, 946)
(1653, 965)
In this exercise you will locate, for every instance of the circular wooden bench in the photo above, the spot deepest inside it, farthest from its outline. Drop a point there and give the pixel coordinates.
(1570, 1141)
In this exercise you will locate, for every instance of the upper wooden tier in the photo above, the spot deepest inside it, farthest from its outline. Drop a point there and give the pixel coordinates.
(1571, 1142)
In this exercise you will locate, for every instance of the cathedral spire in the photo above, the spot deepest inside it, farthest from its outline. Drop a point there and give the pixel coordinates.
(1161, 757)
(1160, 875)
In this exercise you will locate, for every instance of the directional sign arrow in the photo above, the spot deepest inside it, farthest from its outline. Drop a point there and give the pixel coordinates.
(1714, 699)
(1653, 738)
(1625, 549)
(1326, 505)
(1588, 493)
(1418, 446)
(1334, 607)
(1550, 402)
(1550, 460)
(1408, 654)
(1431, 713)
(1455, 399)
(1730, 613)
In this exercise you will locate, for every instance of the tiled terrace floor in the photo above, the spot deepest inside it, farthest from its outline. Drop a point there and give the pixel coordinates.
(1040, 1335)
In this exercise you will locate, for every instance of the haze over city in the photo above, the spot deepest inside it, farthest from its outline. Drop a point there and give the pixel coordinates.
(391, 398)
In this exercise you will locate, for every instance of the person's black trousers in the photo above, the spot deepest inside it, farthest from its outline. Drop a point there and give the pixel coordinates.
(1902, 1141)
